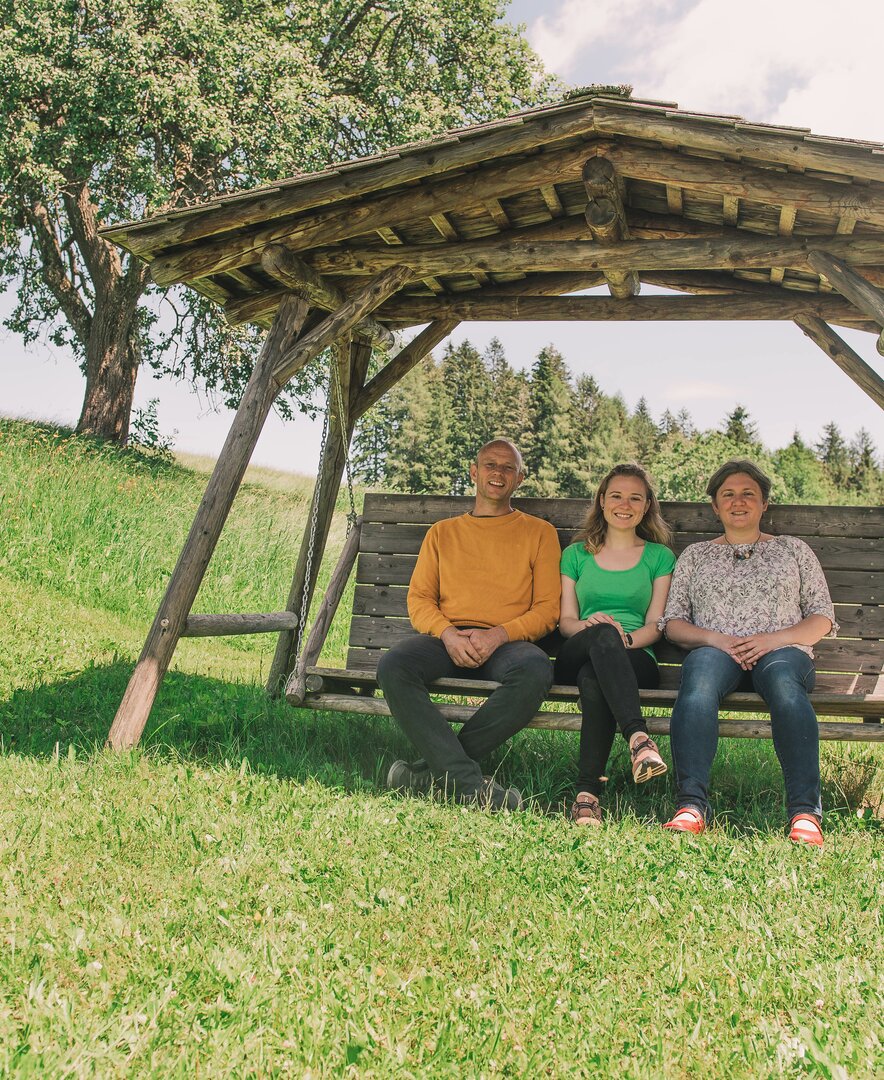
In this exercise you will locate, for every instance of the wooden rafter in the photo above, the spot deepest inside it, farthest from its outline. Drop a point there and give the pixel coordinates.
(606, 218)
(850, 362)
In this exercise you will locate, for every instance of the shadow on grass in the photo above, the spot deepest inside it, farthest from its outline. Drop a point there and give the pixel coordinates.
(212, 722)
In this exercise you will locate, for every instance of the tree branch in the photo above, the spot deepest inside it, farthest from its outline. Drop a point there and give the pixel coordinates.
(52, 270)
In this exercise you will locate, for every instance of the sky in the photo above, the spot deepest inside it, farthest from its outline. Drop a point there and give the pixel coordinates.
(795, 62)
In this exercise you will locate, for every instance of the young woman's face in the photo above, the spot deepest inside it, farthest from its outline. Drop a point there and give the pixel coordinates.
(625, 502)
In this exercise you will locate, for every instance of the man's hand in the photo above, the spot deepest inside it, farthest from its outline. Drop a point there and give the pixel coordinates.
(485, 642)
(459, 646)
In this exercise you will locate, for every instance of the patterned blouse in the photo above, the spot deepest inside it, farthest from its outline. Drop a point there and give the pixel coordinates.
(776, 585)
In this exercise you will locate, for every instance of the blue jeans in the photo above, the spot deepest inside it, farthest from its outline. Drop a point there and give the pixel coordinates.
(783, 678)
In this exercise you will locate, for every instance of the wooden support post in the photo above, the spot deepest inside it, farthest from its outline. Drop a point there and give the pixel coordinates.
(327, 485)
(190, 569)
(296, 685)
(606, 218)
(296, 275)
(852, 286)
(850, 362)
(270, 622)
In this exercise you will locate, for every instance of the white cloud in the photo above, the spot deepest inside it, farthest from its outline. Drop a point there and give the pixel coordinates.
(797, 62)
(699, 391)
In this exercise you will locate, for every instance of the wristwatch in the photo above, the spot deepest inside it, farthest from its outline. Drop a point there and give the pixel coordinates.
(628, 638)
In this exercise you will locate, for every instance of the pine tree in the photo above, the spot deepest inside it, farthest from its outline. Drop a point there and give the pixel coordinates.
(865, 476)
(831, 450)
(548, 445)
(419, 415)
(508, 415)
(803, 476)
(739, 427)
(467, 388)
(645, 433)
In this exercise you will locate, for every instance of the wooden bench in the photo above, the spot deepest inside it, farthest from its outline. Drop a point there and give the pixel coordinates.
(384, 546)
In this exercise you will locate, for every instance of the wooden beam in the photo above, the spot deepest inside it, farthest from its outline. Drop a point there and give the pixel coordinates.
(340, 322)
(439, 156)
(296, 275)
(850, 362)
(606, 217)
(853, 286)
(335, 223)
(508, 256)
(325, 496)
(226, 625)
(551, 198)
(401, 364)
(730, 208)
(739, 140)
(489, 307)
(181, 591)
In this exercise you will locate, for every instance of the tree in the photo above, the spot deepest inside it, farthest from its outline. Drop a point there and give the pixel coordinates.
(802, 475)
(467, 387)
(832, 452)
(420, 415)
(114, 109)
(645, 433)
(739, 427)
(548, 445)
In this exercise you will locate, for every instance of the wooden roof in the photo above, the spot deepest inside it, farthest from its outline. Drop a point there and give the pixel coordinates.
(496, 221)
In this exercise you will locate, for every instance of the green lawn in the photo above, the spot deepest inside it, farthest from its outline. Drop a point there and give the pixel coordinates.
(239, 897)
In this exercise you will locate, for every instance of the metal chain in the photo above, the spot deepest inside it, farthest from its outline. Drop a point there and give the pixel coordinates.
(311, 536)
(343, 420)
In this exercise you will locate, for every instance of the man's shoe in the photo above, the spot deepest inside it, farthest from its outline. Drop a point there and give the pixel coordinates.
(687, 820)
(646, 760)
(410, 778)
(494, 796)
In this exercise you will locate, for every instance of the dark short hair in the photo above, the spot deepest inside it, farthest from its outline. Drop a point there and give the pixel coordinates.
(738, 465)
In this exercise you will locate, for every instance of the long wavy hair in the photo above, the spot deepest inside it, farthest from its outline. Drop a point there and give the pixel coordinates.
(652, 527)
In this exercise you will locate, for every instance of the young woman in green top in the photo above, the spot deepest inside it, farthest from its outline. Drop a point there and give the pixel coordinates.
(615, 581)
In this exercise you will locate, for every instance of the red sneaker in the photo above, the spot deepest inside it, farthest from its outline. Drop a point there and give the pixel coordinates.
(806, 829)
(687, 820)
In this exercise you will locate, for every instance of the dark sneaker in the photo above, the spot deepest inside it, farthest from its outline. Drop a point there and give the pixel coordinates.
(410, 778)
(494, 796)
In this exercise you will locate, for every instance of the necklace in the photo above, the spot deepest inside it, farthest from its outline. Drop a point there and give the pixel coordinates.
(741, 555)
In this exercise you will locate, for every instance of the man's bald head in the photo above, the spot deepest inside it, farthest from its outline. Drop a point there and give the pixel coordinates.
(510, 445)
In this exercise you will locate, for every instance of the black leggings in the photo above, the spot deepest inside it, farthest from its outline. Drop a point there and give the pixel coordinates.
(608, 676)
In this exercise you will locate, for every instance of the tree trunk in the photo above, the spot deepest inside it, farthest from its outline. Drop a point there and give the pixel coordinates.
(110, 387)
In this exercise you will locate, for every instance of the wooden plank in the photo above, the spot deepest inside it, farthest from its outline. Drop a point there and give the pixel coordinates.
(228, 625)
(833, 654)
(853, 286)
(658, 725)
(794, 519)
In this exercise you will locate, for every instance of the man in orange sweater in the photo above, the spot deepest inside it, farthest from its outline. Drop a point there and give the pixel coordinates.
(486, 585)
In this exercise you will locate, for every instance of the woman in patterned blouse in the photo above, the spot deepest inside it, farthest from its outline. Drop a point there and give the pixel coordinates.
(749, 606)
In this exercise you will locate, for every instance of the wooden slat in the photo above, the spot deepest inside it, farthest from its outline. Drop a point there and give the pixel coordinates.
(833, 654)
(829, 691)
(797, 520)
(746, 729)
(835, 552)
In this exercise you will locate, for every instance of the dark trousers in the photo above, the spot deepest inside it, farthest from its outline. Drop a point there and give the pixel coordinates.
(783, 678)
(524, 672)
(608, 675)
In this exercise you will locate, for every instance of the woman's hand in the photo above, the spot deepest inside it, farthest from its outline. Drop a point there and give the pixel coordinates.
(599, 618)
(749, 650)
(727, 643)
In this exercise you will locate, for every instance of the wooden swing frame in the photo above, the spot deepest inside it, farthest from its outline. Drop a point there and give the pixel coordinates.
(503, 221)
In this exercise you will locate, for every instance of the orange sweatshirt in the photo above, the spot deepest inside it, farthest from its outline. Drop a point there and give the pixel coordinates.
(487, 571)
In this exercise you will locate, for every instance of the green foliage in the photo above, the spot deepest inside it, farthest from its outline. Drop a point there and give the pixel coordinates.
(571, 434)
(120, 108)
(239, 897)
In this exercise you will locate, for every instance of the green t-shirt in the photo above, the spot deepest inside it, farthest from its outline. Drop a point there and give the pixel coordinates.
(625, 595)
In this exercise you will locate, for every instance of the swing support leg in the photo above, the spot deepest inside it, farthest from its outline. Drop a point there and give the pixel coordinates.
(260, 393)
(327, 486)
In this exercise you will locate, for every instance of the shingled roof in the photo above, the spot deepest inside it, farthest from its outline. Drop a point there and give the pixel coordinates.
(495, 217)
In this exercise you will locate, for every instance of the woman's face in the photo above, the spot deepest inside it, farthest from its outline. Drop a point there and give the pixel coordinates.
(625, 502)
(739, 504)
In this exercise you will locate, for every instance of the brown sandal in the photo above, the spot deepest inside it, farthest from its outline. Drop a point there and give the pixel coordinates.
(646, 760)
(586, 810)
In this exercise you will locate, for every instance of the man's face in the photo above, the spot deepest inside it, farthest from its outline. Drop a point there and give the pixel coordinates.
(496, 473)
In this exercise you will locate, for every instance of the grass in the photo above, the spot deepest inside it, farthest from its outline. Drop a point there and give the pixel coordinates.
(239, 897)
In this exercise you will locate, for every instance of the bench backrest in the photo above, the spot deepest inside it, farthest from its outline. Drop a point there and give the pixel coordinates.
(846, 539)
